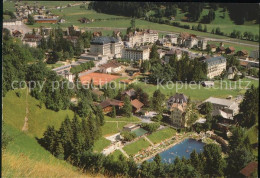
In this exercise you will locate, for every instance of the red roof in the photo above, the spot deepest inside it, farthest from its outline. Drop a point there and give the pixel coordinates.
(231, 48)
(136, 103)
(249, 169)
(111, 102)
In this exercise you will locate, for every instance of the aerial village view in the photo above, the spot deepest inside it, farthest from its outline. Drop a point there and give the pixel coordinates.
(130, 89)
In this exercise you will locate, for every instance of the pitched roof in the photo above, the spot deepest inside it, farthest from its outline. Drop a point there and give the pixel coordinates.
(178, 106)
(231, 48)
(104, 40)
(212, 45)
(136, 103)
(112, 64)
(130, 92)
(220, 101)
(221, 48)
(215, 60)
(178, 98)
(111, 102)
(249, 169)
(243, 63)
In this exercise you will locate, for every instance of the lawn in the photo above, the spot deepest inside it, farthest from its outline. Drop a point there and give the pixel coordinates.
(116, 154)
(24, 157)
(221, 89)
(100, 144)
(161, 135)
(127, 119)
(253, 134)
(111, 128)
(39, 119)
(135, 147)
(236, 46)
(73, 14)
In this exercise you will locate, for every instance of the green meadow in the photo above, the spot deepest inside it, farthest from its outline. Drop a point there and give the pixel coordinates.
(161, 135)
(136, 146)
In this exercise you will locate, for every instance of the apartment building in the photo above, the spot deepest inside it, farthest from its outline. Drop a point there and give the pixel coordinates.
(141, 53)
(142, 37)
(216, 65)
(104, 45)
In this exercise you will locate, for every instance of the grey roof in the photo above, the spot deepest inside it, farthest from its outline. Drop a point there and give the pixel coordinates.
(215, 60)
(178, 98)
(103, 40)
(220, 101)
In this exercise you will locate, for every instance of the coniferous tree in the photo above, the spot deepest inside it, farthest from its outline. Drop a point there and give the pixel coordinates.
(127, 108)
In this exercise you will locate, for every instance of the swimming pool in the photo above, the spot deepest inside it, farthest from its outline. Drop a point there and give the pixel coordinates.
(182, 149)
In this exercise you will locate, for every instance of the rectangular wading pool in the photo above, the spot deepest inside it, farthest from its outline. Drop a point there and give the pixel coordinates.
(183, 148)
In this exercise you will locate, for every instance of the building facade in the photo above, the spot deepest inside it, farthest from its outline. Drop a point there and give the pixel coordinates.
(215, 66)
(136, 53)
(140, 38)
(109, 46)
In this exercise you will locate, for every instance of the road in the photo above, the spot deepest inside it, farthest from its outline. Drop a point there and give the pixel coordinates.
(228, 40)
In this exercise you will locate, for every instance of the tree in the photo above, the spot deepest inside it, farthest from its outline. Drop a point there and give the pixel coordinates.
(249, 108)
(205, 28)
(127, 108)
(113, 112)
(237, 160)
(199, 27)
(154, 54)
(133, 23)
(157, 100)
(214, 163)
(206, 108)
(30, 20)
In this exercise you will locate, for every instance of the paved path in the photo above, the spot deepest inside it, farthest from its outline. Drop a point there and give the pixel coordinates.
(124, 153)
(25, 126)
(148, 140)
(253, 78)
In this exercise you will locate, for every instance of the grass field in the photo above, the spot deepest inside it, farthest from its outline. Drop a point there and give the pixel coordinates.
(161, 135)
(130, 119)
(236, 46)
(197, 92)
(73, 14)
(39, 119)
(252, 134)
(134, 147)
(24, 157)
(101, 144)
(116, 154)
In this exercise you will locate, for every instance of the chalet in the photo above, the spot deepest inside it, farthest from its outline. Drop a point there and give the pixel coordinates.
(17, 34)
(187, 40)
(221, 50)
(249, 170)
(32, 40)
(97, 34)
(213, 47)
(245, 64)
(111, 67)
(178, 114)
(242, 53)
(109, 103)
(230, 50)
(136, 105)
(131, 93)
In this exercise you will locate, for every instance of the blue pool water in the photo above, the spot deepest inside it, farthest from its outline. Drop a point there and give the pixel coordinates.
(182, 149)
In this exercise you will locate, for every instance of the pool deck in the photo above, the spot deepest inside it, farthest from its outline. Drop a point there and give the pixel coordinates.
(178, 139)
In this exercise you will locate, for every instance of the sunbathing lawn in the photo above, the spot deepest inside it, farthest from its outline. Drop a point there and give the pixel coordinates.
(100, 144)
(110, 128)
(161, 135)
(116, 155)
(133, 148)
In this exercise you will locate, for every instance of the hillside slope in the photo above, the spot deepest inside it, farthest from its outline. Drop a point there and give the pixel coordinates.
(24, 157)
